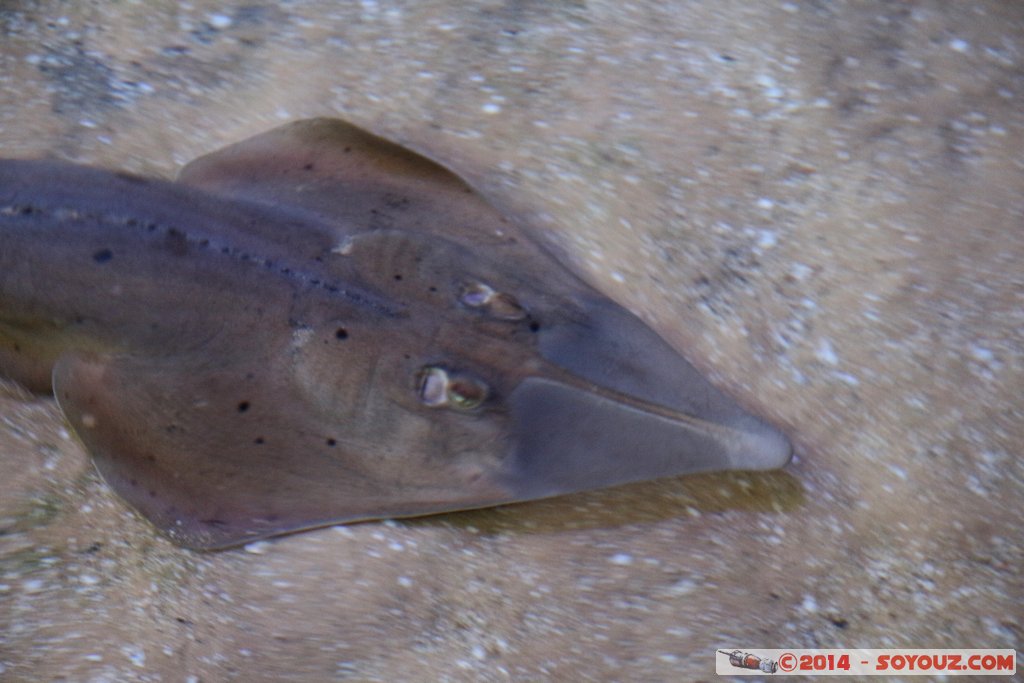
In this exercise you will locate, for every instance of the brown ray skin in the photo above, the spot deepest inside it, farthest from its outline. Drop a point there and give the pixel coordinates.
(243, 351)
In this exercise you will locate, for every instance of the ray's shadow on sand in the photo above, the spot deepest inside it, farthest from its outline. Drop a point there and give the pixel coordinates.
(640, 503)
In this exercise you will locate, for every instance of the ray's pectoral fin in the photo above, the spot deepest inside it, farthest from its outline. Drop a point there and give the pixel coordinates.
(216, 454)
(192, 459)
(349, 177)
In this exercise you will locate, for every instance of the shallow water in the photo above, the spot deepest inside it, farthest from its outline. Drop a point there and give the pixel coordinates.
(819, 205)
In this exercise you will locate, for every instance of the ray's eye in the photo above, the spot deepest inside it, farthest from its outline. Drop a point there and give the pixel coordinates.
(433, 383)
(500, 305)
(438, 388)
(476, 295)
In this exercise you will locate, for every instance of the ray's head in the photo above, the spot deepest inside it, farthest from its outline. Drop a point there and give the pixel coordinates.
(512, 386)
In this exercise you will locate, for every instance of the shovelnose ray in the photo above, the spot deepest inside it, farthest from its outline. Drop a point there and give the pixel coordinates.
(317, 326)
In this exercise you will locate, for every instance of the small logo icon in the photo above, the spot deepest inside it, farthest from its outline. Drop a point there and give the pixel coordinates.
(745, 660)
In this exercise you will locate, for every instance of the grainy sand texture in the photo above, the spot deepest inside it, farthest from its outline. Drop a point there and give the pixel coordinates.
(819, 203)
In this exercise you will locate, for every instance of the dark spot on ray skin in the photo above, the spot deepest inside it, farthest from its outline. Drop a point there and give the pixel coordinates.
(235, 247)
(176, 242)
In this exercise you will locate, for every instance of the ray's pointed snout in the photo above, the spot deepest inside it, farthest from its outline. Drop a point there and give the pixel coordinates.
(760, 445)
(629, 408)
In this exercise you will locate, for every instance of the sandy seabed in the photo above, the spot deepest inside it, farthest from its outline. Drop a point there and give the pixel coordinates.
(818, 203)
